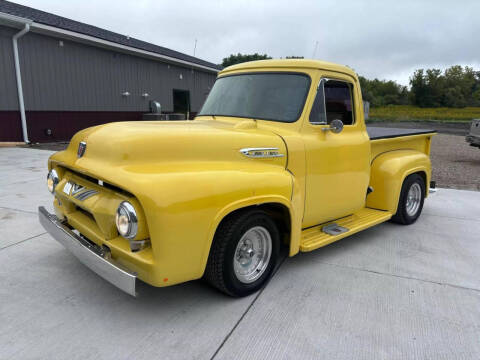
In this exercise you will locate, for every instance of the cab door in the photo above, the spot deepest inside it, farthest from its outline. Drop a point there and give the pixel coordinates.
(338, 164)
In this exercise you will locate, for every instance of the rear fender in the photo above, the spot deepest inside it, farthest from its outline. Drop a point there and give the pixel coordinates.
(389, 170)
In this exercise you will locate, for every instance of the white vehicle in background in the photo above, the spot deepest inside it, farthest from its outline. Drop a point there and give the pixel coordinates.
(473, 138)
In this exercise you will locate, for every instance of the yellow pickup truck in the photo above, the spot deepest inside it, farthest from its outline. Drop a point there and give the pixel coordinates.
(279, 156)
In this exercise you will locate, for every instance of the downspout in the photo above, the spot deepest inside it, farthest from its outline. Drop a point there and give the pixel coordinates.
(18, 75)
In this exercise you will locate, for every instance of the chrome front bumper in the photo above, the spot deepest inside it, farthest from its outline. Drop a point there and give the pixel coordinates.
(90, 255)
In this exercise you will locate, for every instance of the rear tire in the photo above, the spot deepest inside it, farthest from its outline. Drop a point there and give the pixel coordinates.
(410, 204)
(243, 254)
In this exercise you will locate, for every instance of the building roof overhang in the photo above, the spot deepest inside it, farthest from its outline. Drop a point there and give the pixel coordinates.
(35, 27)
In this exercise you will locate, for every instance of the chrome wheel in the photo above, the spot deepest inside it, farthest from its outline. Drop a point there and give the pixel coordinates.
(252, 254)
(414, 198)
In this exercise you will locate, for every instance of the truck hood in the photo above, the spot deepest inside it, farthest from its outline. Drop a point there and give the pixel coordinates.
(131, 145)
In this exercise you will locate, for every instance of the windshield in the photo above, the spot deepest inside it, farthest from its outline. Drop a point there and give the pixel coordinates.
(266, 96)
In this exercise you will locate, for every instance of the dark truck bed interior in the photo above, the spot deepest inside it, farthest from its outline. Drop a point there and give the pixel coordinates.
(376, 133)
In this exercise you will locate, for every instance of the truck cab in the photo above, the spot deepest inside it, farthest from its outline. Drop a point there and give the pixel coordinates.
(279, 156)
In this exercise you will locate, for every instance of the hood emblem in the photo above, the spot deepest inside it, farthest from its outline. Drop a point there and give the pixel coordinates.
(261, 152)
(81, 149)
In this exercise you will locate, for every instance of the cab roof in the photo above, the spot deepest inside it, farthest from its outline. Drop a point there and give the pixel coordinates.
(289, 63)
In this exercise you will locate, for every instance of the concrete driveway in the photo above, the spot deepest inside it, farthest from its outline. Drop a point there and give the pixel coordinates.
(391, 292)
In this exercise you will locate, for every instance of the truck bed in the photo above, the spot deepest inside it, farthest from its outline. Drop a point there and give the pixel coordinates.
(377, 133)
(390, 139)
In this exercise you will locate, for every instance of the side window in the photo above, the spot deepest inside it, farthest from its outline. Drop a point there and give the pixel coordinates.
(334, 100)
(339, 101)
(317, 114)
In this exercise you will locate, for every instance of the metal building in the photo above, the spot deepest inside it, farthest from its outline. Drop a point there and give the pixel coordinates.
(58, 76)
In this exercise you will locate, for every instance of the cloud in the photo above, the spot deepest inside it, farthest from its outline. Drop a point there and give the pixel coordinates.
(383, 39)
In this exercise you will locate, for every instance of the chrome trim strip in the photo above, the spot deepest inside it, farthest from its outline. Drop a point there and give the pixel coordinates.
(85, 195)
(76, 189)
(261, 152)
(90, 255)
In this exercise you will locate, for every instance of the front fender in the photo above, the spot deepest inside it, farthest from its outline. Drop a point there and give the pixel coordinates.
(389, 170)
(241, 204)
(183, 210)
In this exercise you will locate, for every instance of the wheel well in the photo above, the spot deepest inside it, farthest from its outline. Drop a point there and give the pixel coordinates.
(278, 212)
(423, 174)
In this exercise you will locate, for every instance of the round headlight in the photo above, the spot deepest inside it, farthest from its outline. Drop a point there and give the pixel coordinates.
(126, 220)
(52, 180)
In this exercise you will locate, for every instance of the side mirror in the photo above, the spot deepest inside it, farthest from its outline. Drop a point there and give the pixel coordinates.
(336, 126)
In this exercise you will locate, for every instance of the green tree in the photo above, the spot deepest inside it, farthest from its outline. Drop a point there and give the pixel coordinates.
(419, 88)
(458, 86)
(382, 92)
(454, 97)
(455, 87)
(435, 84)
(241, 58)
(476, 98)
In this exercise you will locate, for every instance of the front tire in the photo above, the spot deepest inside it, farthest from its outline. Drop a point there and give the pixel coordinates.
(410, 204)
(243, 254)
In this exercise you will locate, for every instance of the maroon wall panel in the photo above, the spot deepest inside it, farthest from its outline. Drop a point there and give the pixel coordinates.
(10, 126)
(64, 124)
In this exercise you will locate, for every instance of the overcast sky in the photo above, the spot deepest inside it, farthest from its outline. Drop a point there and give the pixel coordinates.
(384, 39)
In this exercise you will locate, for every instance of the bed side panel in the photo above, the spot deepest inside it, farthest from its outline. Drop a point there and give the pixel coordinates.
(420, 143)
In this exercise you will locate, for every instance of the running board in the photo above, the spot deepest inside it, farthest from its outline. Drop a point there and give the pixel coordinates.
(320, 235)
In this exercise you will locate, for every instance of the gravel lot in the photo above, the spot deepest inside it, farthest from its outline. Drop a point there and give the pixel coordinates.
(455, 164)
